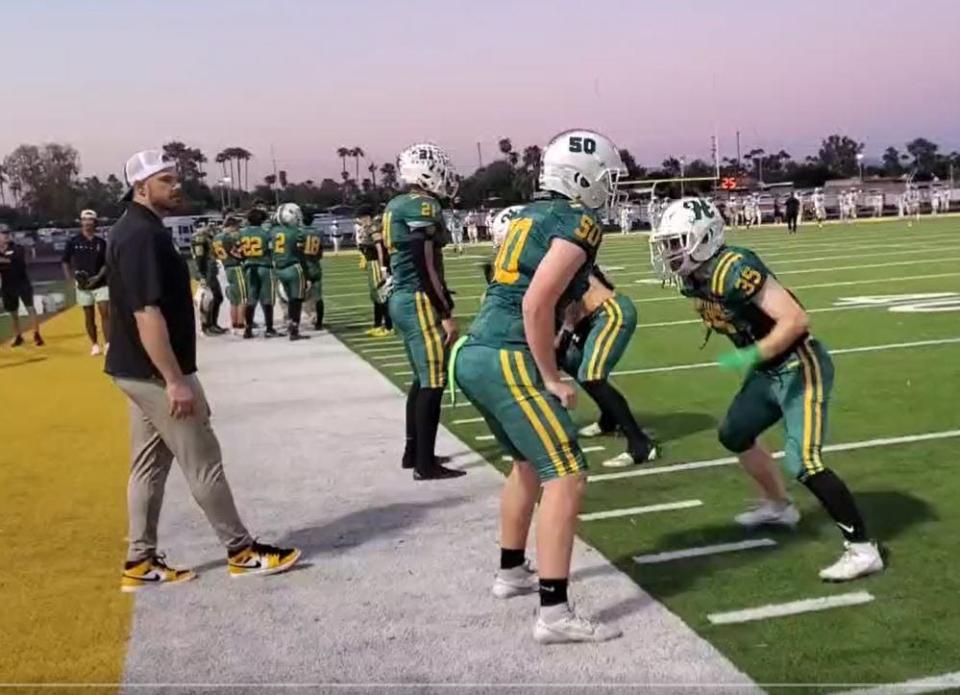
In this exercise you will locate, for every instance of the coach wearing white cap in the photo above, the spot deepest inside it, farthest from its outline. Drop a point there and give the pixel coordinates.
(152, 359)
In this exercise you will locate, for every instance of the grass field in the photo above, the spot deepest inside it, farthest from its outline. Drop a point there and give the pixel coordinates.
(898, 376)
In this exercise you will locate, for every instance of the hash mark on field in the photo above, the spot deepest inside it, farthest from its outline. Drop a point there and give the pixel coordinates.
(726, 461)
(484, 437)
(702, 550)
(468, 420)
(932, 684)
(406, 372)
(591, 449)
(779, 610)
(631, 511)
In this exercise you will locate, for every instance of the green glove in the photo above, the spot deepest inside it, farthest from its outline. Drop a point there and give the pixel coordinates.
(742, 360)
(452, 369)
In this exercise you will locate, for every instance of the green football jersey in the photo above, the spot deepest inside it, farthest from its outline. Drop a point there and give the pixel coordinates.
(226, 248)
(288, 245)
(723, 289)
(500, 320)
(312, 246)
(256, 246)
(408, 214)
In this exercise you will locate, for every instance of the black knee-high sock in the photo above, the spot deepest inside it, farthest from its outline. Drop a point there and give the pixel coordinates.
(837, 499)
(410, 448)
(248, 313)
(215, 309)
(377, 315)
(294, 310)
(387, 321)
(613, 406)
(268, 316)
(319, 313)
(428, 420)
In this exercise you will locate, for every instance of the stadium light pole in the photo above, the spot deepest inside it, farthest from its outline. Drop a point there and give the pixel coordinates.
(860, 164)
(683, 161)
(224, 182)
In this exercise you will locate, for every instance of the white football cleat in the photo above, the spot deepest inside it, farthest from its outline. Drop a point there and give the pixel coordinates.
(95, 350)
(620, 461)
(570, 627)
(590, 431)
(858, 560)
(516, 581)
(769, 513)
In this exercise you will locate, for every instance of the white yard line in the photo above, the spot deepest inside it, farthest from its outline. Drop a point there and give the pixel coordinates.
(837, 351)
(632, 511)
(703, 550)
(727, 460)
(933, 684)
(779, 610)
(468, 421)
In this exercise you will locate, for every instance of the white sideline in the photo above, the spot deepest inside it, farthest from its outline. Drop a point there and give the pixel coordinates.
(932, 684)
(727, 460)
(779, 610)
(631, 511)
(838, 351)
(702, 550)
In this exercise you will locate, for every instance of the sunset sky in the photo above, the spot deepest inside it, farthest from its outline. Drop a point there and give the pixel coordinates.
(114, 76)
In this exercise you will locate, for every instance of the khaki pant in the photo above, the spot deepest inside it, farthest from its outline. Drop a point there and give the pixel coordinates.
(156, 438)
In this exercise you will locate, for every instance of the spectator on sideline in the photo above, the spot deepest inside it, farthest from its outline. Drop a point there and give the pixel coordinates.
(777, 210)
(334, 234)
(793, 212)
(153, 361)
(85, 267)
(15, 287)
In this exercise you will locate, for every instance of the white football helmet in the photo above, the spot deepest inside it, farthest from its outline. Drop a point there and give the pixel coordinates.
(428, 166)
(689, 234)
(501, 224)
(289, 214)
(582, 165)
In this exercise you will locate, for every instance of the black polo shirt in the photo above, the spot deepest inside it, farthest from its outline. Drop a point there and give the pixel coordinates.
(146, 269)
(13, 266)
(86, 255)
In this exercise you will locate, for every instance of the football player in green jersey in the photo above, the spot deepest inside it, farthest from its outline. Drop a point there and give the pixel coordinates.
(313, 266)
(288, 245)
(258, 272)
(377, 265)
(420, 303)
(508, 369)
(596, 333)
(228, 250)
(789, 374)
(201, 247)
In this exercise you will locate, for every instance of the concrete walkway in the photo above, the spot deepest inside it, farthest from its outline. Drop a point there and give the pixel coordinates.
(395, 590)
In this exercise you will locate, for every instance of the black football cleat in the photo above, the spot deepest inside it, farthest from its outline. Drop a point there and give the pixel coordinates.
(438, 473)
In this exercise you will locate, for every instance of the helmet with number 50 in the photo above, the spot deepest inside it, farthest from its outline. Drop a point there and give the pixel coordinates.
(428, 166)
(501, 224)
(689, 234)
(584, 166)
(289, 214)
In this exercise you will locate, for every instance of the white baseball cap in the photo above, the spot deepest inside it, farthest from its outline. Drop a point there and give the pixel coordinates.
(88, 215)
(142, 166)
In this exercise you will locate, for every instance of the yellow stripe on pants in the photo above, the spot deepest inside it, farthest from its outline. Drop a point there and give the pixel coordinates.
(812, 414)
(605, 342)
(529, 413)
(437, 340)
(548, 414)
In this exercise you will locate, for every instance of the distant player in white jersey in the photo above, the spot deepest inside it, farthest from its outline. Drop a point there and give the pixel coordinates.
(853, 203)
(878, 201)
(819, 206)
(945, 200)
(733, 206)
(456, 231)
(626, 219)
(757, 213)
(473, 229)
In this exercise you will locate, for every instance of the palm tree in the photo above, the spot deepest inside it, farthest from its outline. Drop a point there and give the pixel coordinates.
(357, 153)
(283, 178)
(242, 155)
(3, 181)
(221, 159)
(270, 179)
(343, 153)
(389, 172)
(372, 169)
(16, 188)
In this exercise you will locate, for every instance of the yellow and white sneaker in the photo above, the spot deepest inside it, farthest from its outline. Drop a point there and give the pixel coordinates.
(152, 572)
(261, 558)
(373, 332)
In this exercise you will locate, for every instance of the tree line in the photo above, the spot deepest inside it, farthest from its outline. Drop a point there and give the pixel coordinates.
(41, 184)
